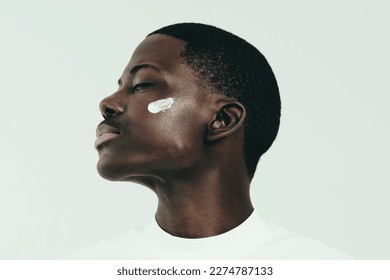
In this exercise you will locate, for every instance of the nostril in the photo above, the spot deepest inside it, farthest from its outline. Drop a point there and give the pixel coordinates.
(110, 112)
(111, 107)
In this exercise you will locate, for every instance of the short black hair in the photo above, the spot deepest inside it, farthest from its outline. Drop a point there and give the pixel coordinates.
(235, 68)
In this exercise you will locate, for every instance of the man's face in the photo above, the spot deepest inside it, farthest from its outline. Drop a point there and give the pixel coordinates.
(141, 137)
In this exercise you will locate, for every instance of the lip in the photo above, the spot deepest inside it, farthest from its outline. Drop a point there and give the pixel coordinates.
(105, 133)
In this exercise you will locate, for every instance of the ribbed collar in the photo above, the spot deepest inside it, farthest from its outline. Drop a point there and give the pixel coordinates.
(229, 245)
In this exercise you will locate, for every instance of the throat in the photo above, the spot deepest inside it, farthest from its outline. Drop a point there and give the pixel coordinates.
(202, 218)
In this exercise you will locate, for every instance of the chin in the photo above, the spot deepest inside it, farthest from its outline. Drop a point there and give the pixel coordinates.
(117, 171)
(109, 171)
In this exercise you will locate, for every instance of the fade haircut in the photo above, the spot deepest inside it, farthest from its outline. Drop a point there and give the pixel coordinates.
(233, 67)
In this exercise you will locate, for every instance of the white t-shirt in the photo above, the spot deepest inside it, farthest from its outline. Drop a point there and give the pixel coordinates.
(253, 239)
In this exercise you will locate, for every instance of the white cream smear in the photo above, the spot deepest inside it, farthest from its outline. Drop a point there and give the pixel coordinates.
(160, 105)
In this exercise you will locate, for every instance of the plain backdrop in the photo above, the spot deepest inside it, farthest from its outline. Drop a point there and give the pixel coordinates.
(326, 176)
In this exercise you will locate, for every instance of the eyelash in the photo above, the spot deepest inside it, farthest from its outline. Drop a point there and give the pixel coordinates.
(141, 86)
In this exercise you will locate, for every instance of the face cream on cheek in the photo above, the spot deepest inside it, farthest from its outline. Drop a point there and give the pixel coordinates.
(160, 105)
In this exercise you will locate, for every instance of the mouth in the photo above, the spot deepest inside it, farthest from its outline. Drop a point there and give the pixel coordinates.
(104, 134)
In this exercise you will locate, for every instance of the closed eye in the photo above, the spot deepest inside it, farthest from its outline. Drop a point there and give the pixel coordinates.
(141, 86)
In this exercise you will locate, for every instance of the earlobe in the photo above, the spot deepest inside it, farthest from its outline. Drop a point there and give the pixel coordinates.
(227, 120)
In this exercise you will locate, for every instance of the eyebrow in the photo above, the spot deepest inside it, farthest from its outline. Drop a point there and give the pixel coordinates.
(136, 68)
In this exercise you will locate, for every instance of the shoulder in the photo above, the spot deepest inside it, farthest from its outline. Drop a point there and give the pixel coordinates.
(285, 244)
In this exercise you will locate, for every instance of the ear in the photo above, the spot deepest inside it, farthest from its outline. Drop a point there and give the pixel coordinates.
(227, 120)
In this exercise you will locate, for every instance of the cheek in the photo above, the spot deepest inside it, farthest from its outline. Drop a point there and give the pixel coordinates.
(160, 105)
(184, 128)
(173, 124)
(160, 119)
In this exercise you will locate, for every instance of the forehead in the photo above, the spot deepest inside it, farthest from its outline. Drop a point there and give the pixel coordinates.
(161, 51)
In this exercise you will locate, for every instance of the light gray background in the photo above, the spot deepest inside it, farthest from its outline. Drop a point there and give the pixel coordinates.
(326, 175)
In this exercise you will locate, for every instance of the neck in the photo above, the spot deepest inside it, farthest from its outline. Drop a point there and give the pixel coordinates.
(205, 205)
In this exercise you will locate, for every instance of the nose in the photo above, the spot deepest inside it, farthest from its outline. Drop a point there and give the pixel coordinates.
(111, 107)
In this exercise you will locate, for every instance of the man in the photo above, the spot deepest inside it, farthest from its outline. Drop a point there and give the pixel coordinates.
(195, 109)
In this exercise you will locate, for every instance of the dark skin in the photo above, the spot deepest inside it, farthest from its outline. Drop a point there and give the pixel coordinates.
(190, 155)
